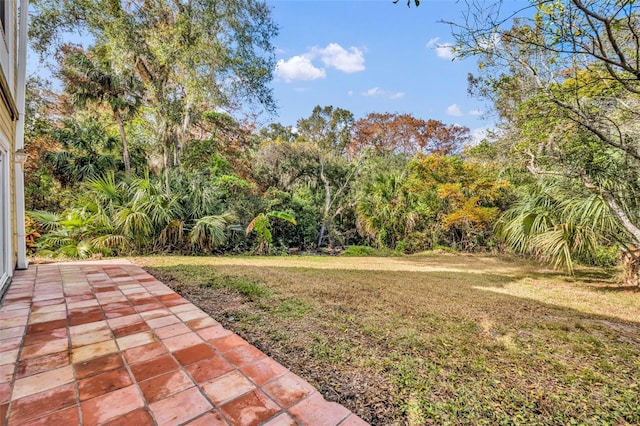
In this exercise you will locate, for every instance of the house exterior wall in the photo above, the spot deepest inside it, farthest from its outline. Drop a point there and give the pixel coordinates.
(8, 117)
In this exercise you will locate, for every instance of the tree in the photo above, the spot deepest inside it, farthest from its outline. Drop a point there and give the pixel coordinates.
(191, 56)
(463, 198)
(550, 222)
(329, 130)
(565, 79)
(261, 225)
(402, 133)
(88, 77)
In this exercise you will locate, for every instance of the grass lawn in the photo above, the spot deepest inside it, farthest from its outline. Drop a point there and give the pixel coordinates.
(433, 339)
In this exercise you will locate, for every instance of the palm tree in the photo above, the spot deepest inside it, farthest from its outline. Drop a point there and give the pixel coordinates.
(557, 225)
(89, 78)
(262, 226)
(86, 151)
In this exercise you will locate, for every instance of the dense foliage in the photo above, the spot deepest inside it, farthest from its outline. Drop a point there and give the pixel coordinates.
(142, 151)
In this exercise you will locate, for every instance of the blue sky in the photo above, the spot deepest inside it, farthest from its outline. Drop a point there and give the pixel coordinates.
(367, 56)
(371, 56)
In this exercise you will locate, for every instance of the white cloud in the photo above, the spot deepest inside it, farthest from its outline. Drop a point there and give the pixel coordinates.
(298, 68)
(338, 57)
(376, 91)
(301, 67)
(454, 110)
(476, 112)
(478, 134)
(372, 92)
(350, 93)
(443, 50)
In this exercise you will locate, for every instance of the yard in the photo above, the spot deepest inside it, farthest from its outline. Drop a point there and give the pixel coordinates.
(433, 338)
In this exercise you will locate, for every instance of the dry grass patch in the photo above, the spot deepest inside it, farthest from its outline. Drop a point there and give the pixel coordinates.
(433, 339)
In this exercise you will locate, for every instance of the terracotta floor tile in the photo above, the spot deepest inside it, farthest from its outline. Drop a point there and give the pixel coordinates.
(175, 302)
(139, 417)
(6, 372)
(170, 296)
(104, 289)
(103, 383)
(154, 367)
(148, 307)
(180, 407)
(90, 337)
(45, 326)
(209, 369)
(16, 313)
(4, 409)
(243, 355)
(44, 336)
(50, 316)
(184, 308)
(155, 313)
(250, 409)
(89, 303)
(263, 371)
(98, 365)
(50, 347)
(127, 330)
(227, 343)
(41, 382)
(171, 330)
(111, 405)
(144, 299)
(86, 318)
(87, 328)
(59, 307)
(193, 354)
(144, 353)
(354, 420)
(133, 340)
(215, 332)
(84, 353)
(9, 357)
(282, 420)
(288, 390)
(124, 321)
(227, 387)
(48, 302)
(28, 367)
(212, 418)
(163, 321)
(165, 385)
(116, 313)
(200, 323)
(182, 341)
(5, 391)
(315, 410)
(65, 417)
(108, 307)
(14, 322)
(8, 333)
(191, 315)
(42, 403)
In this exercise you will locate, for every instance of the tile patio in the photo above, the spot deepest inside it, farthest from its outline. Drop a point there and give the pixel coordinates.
(105, 343)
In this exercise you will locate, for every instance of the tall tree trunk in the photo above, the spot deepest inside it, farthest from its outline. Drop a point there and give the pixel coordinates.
(327, 204)
(125, 146)
(631, 263)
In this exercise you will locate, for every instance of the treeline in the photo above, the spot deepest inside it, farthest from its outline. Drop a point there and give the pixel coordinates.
(387, 181)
